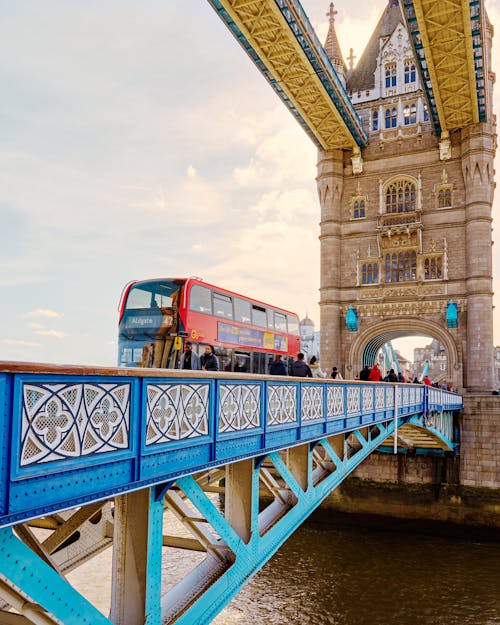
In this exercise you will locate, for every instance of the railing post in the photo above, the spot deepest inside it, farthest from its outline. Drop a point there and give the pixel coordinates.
(395, 419)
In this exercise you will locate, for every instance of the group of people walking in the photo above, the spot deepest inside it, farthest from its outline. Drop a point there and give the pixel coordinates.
(301, 369)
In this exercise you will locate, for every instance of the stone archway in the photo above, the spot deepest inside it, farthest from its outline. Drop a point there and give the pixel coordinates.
(367, 344)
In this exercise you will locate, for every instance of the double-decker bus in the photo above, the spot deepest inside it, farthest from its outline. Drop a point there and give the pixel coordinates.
(158, 316)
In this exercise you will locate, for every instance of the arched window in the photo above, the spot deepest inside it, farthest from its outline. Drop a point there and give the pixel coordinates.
(444, 198)
(426, 113)
(375, 120)
(391, 118)
(400, 197)
(390, 75)
(410, 114)
(369, 273)
(410, 72)
(358, 207)
(433, 268)
(401, 267)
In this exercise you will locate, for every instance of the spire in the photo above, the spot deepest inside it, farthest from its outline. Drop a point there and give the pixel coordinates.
(332, 46)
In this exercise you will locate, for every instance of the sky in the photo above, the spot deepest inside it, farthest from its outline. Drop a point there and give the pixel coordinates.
(137, 140)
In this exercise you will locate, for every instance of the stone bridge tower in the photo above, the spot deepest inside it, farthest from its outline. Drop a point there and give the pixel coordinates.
(406, 230)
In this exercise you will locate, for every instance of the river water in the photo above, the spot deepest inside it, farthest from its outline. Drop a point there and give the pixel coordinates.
(326, 575)
(353, 576)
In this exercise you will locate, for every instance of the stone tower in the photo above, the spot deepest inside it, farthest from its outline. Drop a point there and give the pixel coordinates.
(406, 230)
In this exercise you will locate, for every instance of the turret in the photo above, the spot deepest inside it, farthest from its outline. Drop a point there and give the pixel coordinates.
(332, 47)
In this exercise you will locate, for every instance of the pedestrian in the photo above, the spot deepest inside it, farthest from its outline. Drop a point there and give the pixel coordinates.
(209, 361)
(315, 367)
(375, 374)
(277, 367)
(300, 368)
(336, 375)
(401, 378)
(427, 380)
(190, 359)
(364, 374)
(391, 376)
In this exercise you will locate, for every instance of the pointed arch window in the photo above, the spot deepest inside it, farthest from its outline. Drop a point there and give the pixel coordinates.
(433, 267)
(400, 196)
(410, 72)
(391, 118)
(426, 113)
(401, 266)
(390, 75)
(410, 114)
(375, 121)
(369, 273)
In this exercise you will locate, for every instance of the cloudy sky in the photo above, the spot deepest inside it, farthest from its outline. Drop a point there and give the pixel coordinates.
(137, 140)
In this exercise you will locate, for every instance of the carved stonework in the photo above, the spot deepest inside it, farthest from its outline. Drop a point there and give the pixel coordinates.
(402, 309)
(402, 290)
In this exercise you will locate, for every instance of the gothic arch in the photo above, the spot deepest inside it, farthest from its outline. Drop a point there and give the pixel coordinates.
(374, 337)
(399, 194)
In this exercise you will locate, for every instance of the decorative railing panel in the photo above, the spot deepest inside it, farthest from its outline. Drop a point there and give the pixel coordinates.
(72, 420)
(239, 407)
(281, 404)
(176, 411)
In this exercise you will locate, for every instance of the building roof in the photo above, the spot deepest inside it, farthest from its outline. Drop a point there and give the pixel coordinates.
(363, 75)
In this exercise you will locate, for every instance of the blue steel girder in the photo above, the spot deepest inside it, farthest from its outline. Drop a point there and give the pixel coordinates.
(431, 52)
(294, 28)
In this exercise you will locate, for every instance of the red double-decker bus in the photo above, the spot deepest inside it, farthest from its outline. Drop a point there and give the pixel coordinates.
(158, 316)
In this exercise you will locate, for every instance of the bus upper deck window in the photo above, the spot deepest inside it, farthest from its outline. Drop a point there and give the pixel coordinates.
(280, 321)
(223, 306)
(200, 299)
(242, 311)
(259, 316)
(293, 325)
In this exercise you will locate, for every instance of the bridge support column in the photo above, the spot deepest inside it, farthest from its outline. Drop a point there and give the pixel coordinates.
(478, 150)
(138, 537)
(239, 500)
(330, 182)
(298, 460)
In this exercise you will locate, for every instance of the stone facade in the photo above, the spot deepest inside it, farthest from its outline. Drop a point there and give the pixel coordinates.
(412, 230)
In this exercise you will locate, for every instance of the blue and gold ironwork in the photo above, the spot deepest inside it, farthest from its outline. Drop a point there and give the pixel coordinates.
(280, 40)
(448, 42)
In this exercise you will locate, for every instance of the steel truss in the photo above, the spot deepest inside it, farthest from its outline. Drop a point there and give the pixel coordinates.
(264, 500)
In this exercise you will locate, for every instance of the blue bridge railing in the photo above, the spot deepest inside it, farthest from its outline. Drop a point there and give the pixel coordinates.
(71, 435)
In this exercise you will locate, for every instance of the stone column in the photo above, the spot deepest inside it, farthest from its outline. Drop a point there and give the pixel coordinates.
(478, 150)
(330, 181)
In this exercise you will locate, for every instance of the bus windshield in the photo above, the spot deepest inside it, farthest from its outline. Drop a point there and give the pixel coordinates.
(149, 321)
(151, 294)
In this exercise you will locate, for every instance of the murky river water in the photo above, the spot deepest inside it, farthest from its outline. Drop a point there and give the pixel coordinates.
(355, 576)
(327, 575)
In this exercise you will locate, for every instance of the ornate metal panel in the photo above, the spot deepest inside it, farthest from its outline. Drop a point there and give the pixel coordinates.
(239, 407)
(61, 421)
(281, 404)
(367, 398)
(379, 398)
(353, 399)
(389, 396)
(311, 402)
(176, 411)
(335, 401)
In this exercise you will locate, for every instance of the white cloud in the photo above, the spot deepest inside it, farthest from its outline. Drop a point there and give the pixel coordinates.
(296, 205)
(19, 343)
(44, 312)
(36, 326)
(54, 333)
